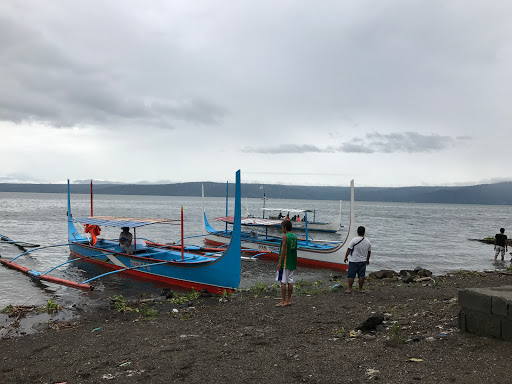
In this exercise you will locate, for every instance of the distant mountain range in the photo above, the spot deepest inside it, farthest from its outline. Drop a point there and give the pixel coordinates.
(495, 194)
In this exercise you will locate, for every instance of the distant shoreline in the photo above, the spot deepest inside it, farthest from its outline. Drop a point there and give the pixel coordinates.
(485, 194)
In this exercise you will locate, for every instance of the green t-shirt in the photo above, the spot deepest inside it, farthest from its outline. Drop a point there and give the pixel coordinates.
(289, 261)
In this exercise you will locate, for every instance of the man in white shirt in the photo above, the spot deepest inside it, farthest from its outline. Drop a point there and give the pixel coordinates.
(359, 250)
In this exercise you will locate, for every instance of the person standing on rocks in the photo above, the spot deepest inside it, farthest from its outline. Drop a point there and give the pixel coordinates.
(500, 244)
(359, 250)
(287, 263)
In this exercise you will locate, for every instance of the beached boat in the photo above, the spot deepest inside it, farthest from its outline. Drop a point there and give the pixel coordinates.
(186, 267)
(321, 254)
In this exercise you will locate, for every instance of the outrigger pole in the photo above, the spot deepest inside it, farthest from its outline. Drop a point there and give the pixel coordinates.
(19, 244)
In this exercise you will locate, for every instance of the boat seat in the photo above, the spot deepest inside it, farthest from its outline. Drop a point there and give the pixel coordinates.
(141, 245)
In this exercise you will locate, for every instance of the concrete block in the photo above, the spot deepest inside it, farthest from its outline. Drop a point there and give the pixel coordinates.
(506, 330)
(483, 324)
(499, 306)
(472, 299)
(462, 320)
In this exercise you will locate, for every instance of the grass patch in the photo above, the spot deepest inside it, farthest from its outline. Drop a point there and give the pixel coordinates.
(147, 313)
(52, 307)
(185, 298)
(120, 304)
(465, 272)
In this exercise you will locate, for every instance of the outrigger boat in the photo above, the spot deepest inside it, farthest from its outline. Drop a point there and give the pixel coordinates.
(215, 272)
(310, 253)
(313, 226)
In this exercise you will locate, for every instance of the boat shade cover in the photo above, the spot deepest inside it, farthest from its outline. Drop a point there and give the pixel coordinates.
(130, 222)
(288, 210)
(250, 220)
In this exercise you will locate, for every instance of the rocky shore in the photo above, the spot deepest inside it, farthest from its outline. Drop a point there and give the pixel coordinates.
(396, 332)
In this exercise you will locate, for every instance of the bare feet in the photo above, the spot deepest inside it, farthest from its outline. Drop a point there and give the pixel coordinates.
(281, 304)
(348, 291)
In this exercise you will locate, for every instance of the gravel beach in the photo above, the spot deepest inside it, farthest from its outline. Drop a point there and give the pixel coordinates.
(245, 338)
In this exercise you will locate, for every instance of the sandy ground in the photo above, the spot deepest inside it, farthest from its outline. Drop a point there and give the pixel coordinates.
(245, 338)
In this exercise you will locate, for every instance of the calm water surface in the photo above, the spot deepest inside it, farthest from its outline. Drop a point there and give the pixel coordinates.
(403, 236)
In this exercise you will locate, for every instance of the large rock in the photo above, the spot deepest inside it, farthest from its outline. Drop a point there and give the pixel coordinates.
(371, 323)
(424, 273)
(407, 278)
(383, 273)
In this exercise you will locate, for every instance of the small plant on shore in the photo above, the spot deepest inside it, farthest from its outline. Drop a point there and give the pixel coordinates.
(339, 332)
(120, 303)
(8, 310)
(509, 268)
(258, 289)
(52, 307)
(226, 295)
(147, 312)
(186, 316)
(185, 298)
(396, 336)
(465, 272)
(303, 287)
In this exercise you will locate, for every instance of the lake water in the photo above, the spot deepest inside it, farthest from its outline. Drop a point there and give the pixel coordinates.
(403, 236)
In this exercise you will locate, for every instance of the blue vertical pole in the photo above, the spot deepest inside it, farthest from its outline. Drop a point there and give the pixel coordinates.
(227, 185)
(306, 225)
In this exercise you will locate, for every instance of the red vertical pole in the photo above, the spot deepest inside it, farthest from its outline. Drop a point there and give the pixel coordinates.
(91, 200)
(182, 250)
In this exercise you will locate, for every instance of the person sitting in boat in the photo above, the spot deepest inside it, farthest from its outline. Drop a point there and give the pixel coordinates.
(280, 216)
(125, 241)
(294, 218)
(288, 216)
(298, 217)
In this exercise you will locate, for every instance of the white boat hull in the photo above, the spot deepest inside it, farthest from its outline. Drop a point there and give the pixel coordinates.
(312, 254)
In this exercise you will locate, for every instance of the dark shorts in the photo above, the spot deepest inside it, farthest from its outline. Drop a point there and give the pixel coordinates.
(356, 268)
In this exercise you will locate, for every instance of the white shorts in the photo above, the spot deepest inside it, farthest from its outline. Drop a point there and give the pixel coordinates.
(499, 249)
(286, 277)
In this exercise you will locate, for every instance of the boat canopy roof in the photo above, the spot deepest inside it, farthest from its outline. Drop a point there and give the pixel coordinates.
(288, 210)
(250, 220)
(130, 222)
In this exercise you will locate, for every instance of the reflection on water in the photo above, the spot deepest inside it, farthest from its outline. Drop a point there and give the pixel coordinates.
(403, 236)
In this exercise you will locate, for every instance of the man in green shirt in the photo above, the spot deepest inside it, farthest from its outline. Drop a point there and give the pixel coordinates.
(287, 263)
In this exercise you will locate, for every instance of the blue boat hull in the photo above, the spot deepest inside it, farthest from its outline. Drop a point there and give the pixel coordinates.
(215, 274)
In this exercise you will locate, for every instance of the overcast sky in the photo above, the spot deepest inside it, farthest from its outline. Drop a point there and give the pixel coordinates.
(389, 93)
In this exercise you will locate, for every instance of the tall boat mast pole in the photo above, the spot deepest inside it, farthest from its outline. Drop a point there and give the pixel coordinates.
(91, 200)
(182, 246)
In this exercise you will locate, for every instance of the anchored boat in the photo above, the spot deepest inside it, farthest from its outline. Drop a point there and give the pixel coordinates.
(190, 267)
(310, 253)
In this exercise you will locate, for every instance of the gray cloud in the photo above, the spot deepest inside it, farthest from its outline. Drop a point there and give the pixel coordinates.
(45, 82)
(409, 142)
(285, 148)
(404, 142)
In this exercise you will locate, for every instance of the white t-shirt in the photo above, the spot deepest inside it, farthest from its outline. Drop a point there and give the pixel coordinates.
(360, 251)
